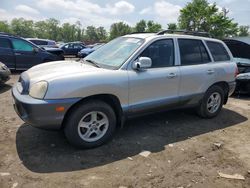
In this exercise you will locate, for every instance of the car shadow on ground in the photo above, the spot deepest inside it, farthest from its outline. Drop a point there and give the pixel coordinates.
(46, 152)
(241, 96)
(4, 88)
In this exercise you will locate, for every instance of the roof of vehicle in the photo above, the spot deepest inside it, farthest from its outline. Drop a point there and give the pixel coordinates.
(155, 35)
(40, 39)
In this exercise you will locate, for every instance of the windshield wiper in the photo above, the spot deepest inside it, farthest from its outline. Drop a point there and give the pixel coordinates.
(93, 63)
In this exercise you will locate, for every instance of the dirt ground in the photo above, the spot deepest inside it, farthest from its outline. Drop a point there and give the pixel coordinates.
(182, 146)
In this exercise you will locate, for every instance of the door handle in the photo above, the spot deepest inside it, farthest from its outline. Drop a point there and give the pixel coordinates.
(172, 75)
(210, 71)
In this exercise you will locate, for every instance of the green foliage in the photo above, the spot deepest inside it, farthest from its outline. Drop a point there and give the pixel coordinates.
(150, 27)
(199, 15)
(172, 26)
(244, 31)
(153, 27)
(4, 27)
(140, 27)
(22, 27)
(119, 29)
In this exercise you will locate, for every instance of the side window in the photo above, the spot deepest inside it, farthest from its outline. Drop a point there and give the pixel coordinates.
(4, 43)
(21, 45)
(218, 51)
(161, 53)
(192, 52)
(77, 46)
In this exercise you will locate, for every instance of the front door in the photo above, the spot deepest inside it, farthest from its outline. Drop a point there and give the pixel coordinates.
(157, 86)
(6, 53)
(25, 55)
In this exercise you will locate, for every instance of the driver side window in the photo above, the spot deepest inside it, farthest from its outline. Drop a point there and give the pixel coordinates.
(21, 45)
(161, 53)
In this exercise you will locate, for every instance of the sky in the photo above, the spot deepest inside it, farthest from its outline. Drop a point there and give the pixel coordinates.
(105, 12)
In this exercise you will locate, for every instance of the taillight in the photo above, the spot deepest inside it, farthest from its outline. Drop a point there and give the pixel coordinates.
(236, 72)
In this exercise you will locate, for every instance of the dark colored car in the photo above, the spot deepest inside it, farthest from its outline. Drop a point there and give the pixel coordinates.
(88, 50)
(240, 48)
(20, 54)
(48, 45)
(72, 48)
(4, 73)
(43, 42)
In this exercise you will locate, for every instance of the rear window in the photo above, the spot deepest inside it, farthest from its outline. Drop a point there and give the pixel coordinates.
(192, 52)
(218, 51)
(4, 43)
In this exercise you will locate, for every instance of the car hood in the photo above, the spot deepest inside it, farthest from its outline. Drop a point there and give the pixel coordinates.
(59, 69)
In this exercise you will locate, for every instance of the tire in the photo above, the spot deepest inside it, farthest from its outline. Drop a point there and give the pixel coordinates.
(208, 107)
(90, 124)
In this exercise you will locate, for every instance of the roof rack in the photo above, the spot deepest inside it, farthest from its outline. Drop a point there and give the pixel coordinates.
(185, 32)
(141, 33)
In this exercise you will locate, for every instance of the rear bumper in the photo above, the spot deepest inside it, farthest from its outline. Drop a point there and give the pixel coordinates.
(41, 113)
(232, 86)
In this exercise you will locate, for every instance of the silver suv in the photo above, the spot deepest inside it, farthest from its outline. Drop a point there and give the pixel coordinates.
(131, 75)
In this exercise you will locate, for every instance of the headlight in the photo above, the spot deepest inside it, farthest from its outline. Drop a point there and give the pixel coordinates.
(38, 90)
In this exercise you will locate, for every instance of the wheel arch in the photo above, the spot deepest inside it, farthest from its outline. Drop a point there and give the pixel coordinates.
(110, 99)
(225, 86)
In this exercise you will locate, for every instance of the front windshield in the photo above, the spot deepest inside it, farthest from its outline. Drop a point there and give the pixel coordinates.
(116, 52)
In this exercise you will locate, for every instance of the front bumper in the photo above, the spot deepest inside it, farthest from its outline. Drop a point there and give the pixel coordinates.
(41, 113)
(243, 86)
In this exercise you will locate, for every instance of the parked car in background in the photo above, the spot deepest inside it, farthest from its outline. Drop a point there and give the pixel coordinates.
(72, 48)
(86, 51)
(20, 54)
(4, 73)
(51, 47)
(43, 42)
(129, 76)
(240, 48)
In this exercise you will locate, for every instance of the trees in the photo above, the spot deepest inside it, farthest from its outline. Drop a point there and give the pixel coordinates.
(119, 29)
(140, 26)
(153, 27)
(22, 27)
(4, 27)
(150, 27)
(172, 26)
(199, 15)
(243, 31)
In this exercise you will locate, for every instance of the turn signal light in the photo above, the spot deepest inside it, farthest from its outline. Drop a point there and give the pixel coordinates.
(60, 109)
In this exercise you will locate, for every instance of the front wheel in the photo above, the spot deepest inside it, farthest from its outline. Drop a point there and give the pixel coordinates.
(212, 102)
(90, 124)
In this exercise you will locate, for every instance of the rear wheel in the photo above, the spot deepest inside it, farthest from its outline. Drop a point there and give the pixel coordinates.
(211, 103)
(90, 124)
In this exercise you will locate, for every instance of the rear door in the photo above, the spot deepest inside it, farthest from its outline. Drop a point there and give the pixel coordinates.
(25, 55)
(6, 53)
(222, 69)
(197, 71)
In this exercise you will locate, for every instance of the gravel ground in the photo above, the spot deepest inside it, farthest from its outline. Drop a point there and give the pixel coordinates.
(186, 151)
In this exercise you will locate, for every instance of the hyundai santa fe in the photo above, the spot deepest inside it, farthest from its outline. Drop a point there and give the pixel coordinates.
(129, 76)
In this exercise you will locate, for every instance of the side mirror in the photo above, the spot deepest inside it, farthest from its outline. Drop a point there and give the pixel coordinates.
(35, 50)
(142, 63)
